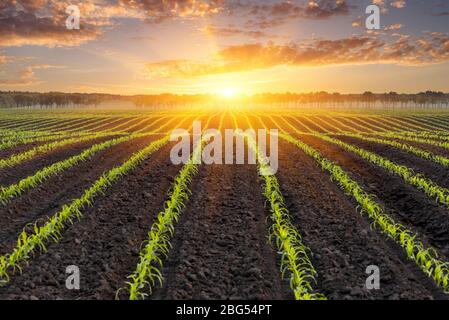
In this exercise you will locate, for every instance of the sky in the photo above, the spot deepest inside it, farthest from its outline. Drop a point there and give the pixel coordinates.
(229, 47)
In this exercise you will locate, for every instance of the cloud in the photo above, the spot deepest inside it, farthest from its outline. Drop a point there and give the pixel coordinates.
(42, 23)
(274, 14)
(441, 14)
(230, 31)
(26, 76)
(383, 4)
(395, 26)
(431, 48)
(161, 10)
(325, 8)
(398, 4)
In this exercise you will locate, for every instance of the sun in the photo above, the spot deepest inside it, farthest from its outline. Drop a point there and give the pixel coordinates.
(228, 92)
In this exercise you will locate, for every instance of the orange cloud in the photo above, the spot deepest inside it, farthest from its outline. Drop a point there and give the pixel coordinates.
(433, 48)
(27, 75)
(42, 22)
(269, 15)
(232, 31)
(160, 10)
(398, 4)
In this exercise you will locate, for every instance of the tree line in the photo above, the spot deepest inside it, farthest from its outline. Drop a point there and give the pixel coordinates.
(428, 99)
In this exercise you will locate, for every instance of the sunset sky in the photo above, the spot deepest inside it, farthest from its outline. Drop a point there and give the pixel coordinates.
(247, 46)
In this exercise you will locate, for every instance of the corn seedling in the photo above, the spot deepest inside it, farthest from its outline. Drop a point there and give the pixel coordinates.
(285, 237)
(51, 231)
(147, 274)
(426, 258)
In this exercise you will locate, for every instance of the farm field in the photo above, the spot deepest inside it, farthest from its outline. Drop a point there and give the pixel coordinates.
(98, 190)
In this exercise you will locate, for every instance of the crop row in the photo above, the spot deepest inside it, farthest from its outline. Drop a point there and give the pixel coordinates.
(285, 237)
(401, 146)
(377, 138)
(10, 143)
(10, 192)
(422, 183)
(7, 193)
(148, 273)
(425, 257)
(51, 231)
(419, 181)
(26, 155)
(38, 136)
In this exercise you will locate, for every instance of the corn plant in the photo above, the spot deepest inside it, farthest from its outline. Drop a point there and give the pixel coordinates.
(26, 155)
(432, 138)
(74, 126)
(51, 231)
(426, 258)
(148, 271)
(422, 124)
(43, 137)
(438, 121)
(10, 192)
(412, 138)
(285, 237)
(405, 147)
(39, 124)
(422, 183)
(437, 124)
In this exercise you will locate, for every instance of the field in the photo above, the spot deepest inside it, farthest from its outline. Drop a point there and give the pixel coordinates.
(96, 189)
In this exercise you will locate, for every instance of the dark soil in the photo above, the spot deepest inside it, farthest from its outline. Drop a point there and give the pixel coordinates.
(29, 167)
(48, 198)
(220, 248)
(342, 242)
(105, 243)
(405, 203)
(6, 153)
(432, 170)
(73, 125)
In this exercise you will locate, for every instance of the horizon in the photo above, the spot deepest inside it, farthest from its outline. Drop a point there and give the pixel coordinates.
(237, 96)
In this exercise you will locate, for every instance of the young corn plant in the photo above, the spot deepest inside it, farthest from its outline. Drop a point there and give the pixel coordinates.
(42, 137)
(426, 258)
(422, 183)
(438, 125)
(8, 193)
(405, 147)
(285, 237)
(438, 140)
(51, 231)
(26, 155)
(148, 271)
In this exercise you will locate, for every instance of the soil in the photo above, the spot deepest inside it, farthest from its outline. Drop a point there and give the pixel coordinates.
(221, 250)
(403, 202)
(16, 173)
(220, 247)
(105, 243)
(342, 241)
(45, 200)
